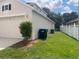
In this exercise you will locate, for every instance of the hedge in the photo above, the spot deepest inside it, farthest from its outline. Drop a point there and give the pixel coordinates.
(26, 29)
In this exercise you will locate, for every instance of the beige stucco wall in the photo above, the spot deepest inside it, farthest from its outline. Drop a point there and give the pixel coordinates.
(40, 22)
(17, 9)
(10, 20)
(9, 26)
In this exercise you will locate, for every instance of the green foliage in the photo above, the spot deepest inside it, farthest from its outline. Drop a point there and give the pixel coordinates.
(69, 16)
(26, 29)
(60, 19)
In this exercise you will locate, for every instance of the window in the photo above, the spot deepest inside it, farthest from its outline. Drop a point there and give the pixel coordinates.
(6, 7)
(2, 8)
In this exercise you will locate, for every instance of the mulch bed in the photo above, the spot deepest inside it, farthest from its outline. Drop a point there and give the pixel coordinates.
(24, 43)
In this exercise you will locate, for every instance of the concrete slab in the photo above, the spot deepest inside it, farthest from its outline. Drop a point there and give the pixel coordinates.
(6, 42)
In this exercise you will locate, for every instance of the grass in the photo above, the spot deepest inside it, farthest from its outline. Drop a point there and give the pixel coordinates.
(56, 45)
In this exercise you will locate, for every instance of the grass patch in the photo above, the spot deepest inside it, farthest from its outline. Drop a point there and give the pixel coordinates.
(56, 45)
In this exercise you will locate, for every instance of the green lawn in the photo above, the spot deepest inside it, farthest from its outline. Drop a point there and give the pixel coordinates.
(56, 45)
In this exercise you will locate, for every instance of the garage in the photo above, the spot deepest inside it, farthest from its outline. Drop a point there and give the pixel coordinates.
(9, 26)
(40, 22)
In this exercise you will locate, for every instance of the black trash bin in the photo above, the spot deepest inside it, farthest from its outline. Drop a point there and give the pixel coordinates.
(52, 31)
(42, 34)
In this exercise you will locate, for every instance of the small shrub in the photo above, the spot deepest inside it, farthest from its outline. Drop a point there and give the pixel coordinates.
(26, 29)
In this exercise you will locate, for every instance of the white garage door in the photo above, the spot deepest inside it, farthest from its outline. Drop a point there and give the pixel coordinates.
(9, 27)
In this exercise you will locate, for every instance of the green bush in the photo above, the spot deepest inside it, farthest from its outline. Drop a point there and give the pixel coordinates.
(26, 29)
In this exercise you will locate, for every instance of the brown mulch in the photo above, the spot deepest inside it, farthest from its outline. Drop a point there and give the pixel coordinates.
(24, 43)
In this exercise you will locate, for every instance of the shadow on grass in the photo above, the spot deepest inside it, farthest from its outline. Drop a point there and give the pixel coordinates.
(70, 36)
(42, 39)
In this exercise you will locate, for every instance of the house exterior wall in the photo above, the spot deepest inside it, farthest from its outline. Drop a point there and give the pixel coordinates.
(10, 20)
(17, 8)
(9, 26)
(40, 22)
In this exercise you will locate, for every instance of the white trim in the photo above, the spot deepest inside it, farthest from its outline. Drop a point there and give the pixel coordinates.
(34, 10)
(12, 15)
(44, 16)
(26, 5)
(2, 37)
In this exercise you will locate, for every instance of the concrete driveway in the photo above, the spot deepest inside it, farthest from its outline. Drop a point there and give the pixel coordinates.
(6, 42)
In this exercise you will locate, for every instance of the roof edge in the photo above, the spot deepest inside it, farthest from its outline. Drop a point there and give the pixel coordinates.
(44, 16)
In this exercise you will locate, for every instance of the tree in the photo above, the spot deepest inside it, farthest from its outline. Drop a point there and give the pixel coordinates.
(74, 15)
(58, 21)
(46, 10)
(54, 17)
(69, 16)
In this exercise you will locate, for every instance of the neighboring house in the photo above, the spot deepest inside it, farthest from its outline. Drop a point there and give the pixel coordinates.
(73, 22)
(13, 12)
(76, 21)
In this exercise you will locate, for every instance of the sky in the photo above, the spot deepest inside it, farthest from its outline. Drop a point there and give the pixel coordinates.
(58, 6)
